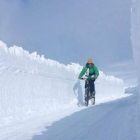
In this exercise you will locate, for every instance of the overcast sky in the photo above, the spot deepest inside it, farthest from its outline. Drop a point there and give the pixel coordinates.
(72, 31)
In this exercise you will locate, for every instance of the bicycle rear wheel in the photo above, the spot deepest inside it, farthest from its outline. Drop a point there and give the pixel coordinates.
(93, 100)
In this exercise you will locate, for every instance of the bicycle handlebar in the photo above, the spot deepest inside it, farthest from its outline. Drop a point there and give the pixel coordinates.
(85, 78)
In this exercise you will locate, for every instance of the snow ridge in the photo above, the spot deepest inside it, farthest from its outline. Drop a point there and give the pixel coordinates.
(33, 85)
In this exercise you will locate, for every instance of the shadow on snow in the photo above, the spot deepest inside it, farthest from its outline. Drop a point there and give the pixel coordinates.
(108, 121)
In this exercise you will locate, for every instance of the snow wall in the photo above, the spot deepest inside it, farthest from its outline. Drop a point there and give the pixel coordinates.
(31, 84)
(135, 36)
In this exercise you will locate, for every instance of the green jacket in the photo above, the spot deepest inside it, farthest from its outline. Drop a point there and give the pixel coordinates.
(92, 70)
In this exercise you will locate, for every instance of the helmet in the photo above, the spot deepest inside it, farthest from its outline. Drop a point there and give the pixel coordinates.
(89, 61)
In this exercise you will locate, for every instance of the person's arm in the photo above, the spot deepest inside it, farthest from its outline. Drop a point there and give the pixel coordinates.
(82, 72)
(96, 72)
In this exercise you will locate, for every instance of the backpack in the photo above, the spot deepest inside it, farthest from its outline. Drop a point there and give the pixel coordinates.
(92, 66)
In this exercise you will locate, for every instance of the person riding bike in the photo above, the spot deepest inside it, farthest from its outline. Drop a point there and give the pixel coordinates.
(92, 74)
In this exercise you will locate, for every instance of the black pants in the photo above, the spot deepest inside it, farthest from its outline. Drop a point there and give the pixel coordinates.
(91, 84)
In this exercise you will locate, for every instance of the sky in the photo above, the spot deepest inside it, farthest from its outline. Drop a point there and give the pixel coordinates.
(73, 31)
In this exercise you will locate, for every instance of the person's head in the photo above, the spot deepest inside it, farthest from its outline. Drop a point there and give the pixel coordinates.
(89, 63)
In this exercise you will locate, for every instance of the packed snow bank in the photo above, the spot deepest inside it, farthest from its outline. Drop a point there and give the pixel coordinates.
(33, 85)
(135, 35)
(135, 38)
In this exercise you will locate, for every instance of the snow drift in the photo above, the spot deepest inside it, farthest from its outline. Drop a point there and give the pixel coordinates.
(33, 85)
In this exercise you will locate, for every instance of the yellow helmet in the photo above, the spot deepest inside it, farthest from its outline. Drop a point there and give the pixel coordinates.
(89, 61)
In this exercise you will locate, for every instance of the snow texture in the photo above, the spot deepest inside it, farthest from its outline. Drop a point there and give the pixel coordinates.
(108, 121)
(32, 86)
(135, 38)
(29, 83)
(135, 34)
(131, 89)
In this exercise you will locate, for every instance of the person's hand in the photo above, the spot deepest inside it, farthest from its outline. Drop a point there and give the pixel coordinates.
(96, 77)
(79, 77)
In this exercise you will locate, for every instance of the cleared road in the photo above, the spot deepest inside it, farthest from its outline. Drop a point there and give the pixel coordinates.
(116, 120)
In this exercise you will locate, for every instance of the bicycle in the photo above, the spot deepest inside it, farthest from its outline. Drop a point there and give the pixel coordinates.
(88, 95)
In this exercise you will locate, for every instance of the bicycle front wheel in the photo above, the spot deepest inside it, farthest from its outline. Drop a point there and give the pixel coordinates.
(86, 96)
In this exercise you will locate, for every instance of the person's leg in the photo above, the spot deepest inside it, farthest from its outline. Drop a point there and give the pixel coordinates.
(85, 84)
(92, 87)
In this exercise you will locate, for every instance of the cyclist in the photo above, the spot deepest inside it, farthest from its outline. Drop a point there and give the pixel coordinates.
(92, 73)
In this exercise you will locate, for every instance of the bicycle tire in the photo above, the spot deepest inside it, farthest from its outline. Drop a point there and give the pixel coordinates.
(93, 101)
(87, 96)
